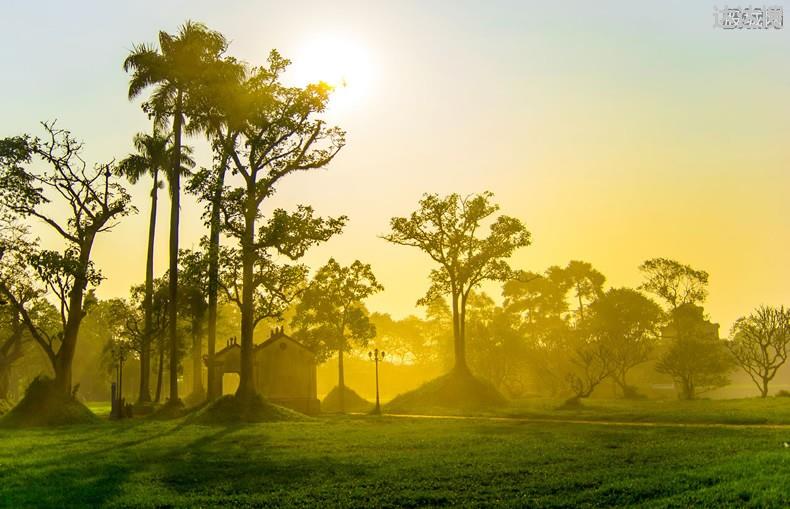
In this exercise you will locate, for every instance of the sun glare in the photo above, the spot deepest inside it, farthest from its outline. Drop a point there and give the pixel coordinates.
(343, 62)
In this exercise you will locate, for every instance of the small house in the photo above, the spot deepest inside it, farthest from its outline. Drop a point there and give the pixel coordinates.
(284, 371)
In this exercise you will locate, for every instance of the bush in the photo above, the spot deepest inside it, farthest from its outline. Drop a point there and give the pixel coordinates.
(572, 403)
(783, 394)
(631, 392)
(45, 405)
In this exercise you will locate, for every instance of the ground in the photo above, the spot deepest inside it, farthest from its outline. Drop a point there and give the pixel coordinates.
(367, 461)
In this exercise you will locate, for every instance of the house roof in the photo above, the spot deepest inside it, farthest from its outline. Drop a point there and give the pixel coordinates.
(226, 349)
(277, 335)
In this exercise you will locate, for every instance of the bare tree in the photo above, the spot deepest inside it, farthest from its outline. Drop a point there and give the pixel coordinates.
(591, 364)
(759, 342)
(87, 203)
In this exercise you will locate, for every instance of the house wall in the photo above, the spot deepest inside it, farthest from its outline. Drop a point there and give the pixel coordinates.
(284, 371)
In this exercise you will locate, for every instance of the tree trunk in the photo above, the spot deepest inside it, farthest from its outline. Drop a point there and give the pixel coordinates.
(619, 379)
(341, 382)
(459, 317)
(213, 280)
(145, 347)
(197, 359)
(65, 355)
(160, 372)
(764, 388)
(687, 388)
(175, 199)
(246, 378)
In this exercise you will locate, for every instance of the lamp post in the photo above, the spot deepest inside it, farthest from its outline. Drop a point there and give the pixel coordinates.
(377, 356)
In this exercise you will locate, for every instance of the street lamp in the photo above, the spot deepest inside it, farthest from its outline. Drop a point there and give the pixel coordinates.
(377, 356)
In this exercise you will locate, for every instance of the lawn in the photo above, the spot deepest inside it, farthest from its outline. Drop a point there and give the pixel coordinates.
(393, 461)
(773, 410)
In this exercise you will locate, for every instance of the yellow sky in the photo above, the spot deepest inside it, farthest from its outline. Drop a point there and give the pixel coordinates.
(616, 133)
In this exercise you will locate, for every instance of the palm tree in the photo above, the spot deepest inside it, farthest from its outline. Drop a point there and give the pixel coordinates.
(219, 112)
(154, 154)
(174, 70)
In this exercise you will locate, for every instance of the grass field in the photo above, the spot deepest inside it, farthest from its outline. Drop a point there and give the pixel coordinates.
(395, 461)
(730, 411)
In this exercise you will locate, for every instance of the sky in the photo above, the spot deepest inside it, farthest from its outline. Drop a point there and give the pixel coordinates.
(616, 131)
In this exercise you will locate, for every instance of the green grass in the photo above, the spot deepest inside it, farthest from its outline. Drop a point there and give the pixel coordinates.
(392, 461)
(731, 411)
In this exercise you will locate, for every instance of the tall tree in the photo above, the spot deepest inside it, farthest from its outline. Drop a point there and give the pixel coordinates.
(760, 343)
(674, 282)
(497, 348)
(585, 282)
(446, 228)
(175, 70)
(194, 279)
(696, 358)
(13, 337)
(628, 323)
(154, 156)
(541, 305)
(219, 112)
(332, 309)
(35, 173)
(280, 134)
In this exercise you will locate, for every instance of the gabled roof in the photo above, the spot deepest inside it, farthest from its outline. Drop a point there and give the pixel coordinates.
(227, 348)
(277, 335)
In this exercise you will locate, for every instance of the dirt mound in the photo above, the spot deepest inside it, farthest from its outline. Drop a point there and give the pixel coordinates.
(353, 402)
(169, 411)
(457, 390)
(231, 409)
(45, 405)
(195, 399)
(142, 409)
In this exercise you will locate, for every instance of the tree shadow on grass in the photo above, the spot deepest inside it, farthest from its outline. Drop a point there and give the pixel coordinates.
(223, 466)
(218, 465)
(89, 477)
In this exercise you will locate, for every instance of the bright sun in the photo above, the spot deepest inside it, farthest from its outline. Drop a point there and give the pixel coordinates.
(339, 61)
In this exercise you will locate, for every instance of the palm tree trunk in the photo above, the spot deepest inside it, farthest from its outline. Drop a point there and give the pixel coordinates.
(213, 279)
(145, 348)
(175, 199)
(197, 359)
(160, 372)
